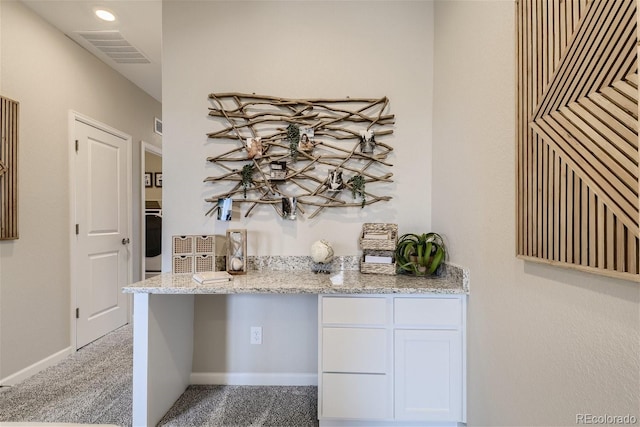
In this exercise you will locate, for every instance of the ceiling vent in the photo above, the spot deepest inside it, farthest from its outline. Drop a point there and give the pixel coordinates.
(116, 47)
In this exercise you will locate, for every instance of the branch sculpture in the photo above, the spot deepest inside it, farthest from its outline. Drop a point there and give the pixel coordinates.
(321, 151)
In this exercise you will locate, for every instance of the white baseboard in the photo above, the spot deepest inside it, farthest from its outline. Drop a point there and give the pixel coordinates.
(36, 367)
(371, 423)
(258, 378)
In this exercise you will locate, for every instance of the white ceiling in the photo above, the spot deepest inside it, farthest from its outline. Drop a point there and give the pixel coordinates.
(139, 22)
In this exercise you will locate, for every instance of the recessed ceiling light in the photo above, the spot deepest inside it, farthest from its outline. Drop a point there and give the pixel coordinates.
(105, 15)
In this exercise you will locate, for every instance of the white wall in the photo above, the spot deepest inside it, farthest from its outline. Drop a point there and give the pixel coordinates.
(357, 49)
(50, 75)
(544, 343)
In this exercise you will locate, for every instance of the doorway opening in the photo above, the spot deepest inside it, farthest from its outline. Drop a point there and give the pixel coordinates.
(151, 235)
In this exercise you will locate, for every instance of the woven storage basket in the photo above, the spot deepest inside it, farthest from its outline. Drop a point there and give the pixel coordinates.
(183, 264)
(384, 244)
(182, 245)
(205, 262)
(367, 267)
(205, 244)
(388, 244)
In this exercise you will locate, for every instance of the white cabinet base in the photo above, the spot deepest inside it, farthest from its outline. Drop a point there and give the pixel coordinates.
(391, 360)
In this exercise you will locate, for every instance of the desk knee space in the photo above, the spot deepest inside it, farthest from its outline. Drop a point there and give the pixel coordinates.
(162, 353)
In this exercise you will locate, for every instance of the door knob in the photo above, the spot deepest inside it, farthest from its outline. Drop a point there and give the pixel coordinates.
(125, 241)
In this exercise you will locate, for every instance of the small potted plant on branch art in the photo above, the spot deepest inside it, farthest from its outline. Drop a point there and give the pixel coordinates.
(357, 184)
(420, 254)
(246, 178)
(293, 135)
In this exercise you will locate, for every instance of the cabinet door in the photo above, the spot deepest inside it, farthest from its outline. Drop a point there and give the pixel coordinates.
(428, 375)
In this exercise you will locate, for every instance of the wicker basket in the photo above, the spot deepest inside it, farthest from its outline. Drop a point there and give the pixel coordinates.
(372, 268)
(205, 262)
(205, 244)
(182, 245)
(384, 243)
(183, 264)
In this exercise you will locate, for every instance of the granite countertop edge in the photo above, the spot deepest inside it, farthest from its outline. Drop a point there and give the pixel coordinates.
(452, 280)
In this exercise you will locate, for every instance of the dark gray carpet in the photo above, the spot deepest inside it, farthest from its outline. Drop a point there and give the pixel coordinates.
(236, 406)
(93, 386)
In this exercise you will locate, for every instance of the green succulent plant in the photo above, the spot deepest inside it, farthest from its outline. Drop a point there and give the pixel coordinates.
(357, 187)
(293, 135)
(420, 254)
(247, 177)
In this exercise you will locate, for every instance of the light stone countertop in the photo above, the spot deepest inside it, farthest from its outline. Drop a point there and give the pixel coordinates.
(454, 280)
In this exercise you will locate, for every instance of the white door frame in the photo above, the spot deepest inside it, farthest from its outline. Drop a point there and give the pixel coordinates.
(144, 147)
(73, 117)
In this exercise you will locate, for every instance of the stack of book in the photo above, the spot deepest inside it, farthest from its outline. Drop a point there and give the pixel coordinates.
(373, 259)
(212, 277)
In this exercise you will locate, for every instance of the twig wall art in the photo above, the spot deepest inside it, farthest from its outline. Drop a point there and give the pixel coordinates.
(300, 156)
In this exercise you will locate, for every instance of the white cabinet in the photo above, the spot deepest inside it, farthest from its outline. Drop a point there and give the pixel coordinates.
(355, 380)
(391, 359)
(428, 375)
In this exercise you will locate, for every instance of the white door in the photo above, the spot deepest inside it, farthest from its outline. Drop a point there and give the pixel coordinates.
(102, 258)
(428, 375)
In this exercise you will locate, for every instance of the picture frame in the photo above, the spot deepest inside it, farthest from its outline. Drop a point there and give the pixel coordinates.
(278, 171)
(254, 147)
(157, 126)
(158, 179)
(148, 179)
(307, 141)
(367, 142)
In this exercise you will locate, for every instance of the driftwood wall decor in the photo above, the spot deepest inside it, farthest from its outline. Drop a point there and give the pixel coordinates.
(314, 153)
(577, 135)
(8, 169)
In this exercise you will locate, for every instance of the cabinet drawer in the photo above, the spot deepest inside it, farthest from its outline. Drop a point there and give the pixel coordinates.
(428, 311)
(356, 311)
(355, 396)
(354, 350)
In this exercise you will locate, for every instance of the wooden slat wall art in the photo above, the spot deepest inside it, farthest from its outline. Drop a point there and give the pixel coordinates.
(336, 124)
(8, 169)
(577, 135)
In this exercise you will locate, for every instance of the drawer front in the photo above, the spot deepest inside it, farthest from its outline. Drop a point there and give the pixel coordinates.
(356, 396)
(355, 311)
(354, 350)
(428, 311)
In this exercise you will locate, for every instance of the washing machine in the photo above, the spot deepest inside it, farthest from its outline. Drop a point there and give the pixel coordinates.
(153, 240)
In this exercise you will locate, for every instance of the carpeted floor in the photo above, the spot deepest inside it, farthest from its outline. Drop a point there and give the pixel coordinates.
(94, 386)
(236, 406)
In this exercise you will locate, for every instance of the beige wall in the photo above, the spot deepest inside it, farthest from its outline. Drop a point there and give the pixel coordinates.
(357, 49)
(544, 343)
(50, 75)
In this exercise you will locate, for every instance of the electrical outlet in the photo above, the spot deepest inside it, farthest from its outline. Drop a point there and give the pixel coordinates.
(256, 335)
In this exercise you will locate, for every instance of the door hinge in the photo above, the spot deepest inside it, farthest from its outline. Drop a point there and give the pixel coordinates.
(78, 313)
(77, 229)
(76, 145)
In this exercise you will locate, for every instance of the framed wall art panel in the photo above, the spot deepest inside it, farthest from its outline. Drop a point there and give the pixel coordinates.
(8, 169)
(577, 135)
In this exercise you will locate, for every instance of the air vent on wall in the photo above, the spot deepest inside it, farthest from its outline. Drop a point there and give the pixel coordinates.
(116, 47)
